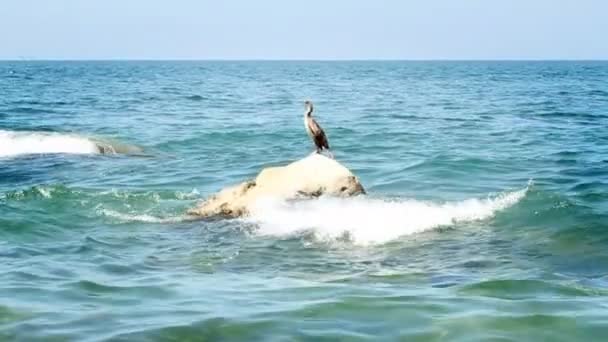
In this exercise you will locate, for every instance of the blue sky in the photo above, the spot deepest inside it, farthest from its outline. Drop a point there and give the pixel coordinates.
(312, 29)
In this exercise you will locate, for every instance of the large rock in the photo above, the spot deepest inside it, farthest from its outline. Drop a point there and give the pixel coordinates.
(312, 176)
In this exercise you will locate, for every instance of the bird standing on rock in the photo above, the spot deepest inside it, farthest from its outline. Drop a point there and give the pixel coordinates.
(315, 131)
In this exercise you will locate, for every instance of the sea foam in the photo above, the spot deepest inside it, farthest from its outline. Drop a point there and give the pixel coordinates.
(15, 143)
(133, 217)
(371, 221)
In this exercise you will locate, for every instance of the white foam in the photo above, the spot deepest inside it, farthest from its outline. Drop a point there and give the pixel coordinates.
(370, 221)
(139, 217)
(13, 143)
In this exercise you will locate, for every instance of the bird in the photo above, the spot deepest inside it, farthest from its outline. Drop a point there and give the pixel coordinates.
(314, 130)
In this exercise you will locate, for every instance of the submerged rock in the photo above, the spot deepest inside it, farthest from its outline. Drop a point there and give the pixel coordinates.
(309, 177)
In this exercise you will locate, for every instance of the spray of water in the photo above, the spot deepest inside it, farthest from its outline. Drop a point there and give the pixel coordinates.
(368, 221)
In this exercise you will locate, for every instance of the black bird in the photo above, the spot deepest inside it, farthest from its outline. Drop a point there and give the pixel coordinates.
(314, 130)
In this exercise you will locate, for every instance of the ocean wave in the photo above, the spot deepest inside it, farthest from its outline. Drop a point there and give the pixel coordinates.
(61, 192)
(135, 217)
(365, 220)
(15, 143)
(120, 206)
(195, 97)
(37, 192)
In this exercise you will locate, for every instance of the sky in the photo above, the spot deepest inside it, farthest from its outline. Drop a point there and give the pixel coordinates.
(304, 29)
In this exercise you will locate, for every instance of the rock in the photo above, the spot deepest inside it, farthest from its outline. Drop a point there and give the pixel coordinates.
(309, 177)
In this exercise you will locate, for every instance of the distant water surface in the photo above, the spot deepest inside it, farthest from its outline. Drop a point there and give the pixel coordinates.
(486, 216)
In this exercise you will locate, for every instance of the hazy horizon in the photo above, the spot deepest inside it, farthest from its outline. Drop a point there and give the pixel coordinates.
(292, 60)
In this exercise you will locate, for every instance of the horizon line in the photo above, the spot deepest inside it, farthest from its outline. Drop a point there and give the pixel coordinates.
(24, 59)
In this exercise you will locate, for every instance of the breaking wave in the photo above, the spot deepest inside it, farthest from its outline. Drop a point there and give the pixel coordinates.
(15, 143)
(365, 220)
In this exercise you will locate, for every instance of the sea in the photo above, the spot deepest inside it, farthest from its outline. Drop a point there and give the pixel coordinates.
(485, 218)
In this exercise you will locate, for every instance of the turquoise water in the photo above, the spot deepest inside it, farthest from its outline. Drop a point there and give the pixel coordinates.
(486, 216)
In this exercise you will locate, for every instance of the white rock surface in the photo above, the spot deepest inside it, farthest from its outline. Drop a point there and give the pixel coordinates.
(312, 176)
